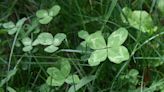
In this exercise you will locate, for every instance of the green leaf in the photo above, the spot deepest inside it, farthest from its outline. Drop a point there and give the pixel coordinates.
(139, 19)
(133, 73)
(83, 34)
(117, 37)
(8, 25)
(160, 6)
(26, 41)
(51, 49)
(45, 38)
(20, 22)
(127, 12)
(118, 54)
(83, 82)
(59, 37)
(45, 20)
(54, 10)
(27, 48)
(72, 79)
(12, 31)
(8, 77)
(96, 41)
(35, 42)
(55, 73)
(97, 56)
(45, 88)
(9, 89)
(65, 67)
(54, 82)
(42, 13)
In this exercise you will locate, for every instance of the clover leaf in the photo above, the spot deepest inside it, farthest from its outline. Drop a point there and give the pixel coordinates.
(13, 28)
(72, 79)
(57, 76)
(83, 34)
(139, 19)
(27, 42)
(160, 6)
(46, 38)
(45, 16)
(114, 50)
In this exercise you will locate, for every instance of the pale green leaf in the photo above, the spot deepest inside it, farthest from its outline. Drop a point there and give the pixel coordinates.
(59, 37)
(160, 5)
(12, 31)
(45, 38)
(118, 54)
(65, 67)
(42, 13)
(55, 73)
(27, 48)
(72, 79)
(83, 82)
(133, 73)
(51, 49)
(54, 82)
(20, 22)
(45, 20)
(117, 37)
(54, 10)
(127, 13)
(35, 42)
(139, 19)
(8, 25)
(83, 34)
(9, 89)
(96, 40)
(26, 41)
(97, 56)
(8, 77)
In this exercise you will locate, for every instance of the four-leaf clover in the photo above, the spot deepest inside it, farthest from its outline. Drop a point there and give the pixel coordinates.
(113, 50)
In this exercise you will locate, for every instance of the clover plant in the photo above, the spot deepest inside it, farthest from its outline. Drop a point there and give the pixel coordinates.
(27, 42)
(46, 38)
(160, 6)
(45, 16)
(13, 28)
(113, 49)
(57, 76)
(138, 19)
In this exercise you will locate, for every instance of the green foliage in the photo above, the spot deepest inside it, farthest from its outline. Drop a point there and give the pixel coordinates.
(82, 82)
(139, 19)
(113, 50)
(46, 38)
(8, 77)
(58, 76)
(13, 28)
(28, 62)
(160, 5)
(45, 16)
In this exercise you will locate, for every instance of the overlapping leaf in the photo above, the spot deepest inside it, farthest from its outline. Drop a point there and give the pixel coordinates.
(113, 50)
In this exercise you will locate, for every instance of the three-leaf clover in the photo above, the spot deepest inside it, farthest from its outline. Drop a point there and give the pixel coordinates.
(139, 19)
(27, 42)
(57, 76)
(46, 38)
(45, 16)
(113, 49)
(13, 28)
